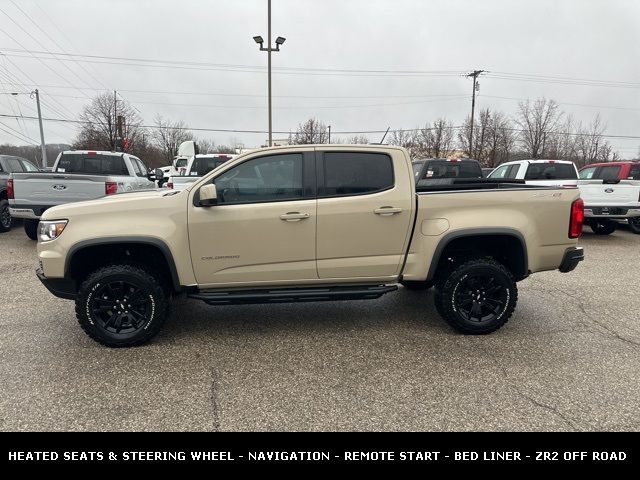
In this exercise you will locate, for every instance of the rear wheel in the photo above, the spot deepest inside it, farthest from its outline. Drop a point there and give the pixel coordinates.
(31, 228)
(5, 217)
(477, 297)
(121, 306)
(634, 225)
(603, 227)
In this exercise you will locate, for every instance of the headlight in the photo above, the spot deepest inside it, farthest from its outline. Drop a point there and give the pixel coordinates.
(50, 230)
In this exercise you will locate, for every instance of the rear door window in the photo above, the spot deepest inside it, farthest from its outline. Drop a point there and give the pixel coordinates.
(355, 173)
(550, 171)
(634, 172)
(13, 165)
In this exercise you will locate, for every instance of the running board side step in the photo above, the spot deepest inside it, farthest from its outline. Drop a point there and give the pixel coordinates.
(288, 295)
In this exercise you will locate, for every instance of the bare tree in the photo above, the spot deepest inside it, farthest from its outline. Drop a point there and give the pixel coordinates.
(500, 140)
(436, 139)
(311, 131)
(168, 135)
(206, 145)
(99, 124)
(590, 143)
(406, 139)
(537, 120)
(358, 139)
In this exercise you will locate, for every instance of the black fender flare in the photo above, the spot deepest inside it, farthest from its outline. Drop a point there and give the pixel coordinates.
(141, 240)
(475, 232)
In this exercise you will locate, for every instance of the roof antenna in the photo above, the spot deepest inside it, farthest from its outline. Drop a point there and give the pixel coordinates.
(385, 134)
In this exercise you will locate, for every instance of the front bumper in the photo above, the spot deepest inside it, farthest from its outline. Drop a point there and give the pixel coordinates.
(572, 257)
(60, 287)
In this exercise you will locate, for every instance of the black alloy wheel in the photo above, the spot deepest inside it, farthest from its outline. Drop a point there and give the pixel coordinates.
(481, 297)
(634, 225)
(120, 307)
(603, 227)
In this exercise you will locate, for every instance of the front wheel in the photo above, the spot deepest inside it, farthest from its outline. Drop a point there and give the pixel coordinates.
(477, 297)
(31, 229)
(603, 227)
(634, 225)
(121, 306)
(5, 216)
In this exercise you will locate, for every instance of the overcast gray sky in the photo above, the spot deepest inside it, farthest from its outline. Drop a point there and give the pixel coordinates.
(589, 40)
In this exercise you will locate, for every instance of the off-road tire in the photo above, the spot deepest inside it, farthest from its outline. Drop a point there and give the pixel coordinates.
(151, 294)
(634, 225)
(5, 218)
(416, 284)
(487, 274)
(31, 228)
(604, 227)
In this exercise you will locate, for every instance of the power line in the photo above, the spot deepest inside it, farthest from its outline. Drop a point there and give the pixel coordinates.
(633, 137)
(57, 45)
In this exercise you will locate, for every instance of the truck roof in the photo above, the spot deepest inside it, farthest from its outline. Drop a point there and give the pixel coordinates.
(608, 164)
(546, 160)
(91, 152)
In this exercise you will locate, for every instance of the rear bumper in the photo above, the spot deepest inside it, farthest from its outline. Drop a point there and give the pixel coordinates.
(571, 258)
(60, 287)
(608, 211)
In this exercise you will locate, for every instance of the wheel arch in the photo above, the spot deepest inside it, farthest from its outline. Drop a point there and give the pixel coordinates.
(478, 239)
(76, 250)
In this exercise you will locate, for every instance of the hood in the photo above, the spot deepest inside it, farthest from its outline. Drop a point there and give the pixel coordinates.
(120, 202)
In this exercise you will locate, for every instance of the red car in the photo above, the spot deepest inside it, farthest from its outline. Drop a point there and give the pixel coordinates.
(628, 170)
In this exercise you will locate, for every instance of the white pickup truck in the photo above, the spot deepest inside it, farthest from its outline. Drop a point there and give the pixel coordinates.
(608, 202)
(197, 166)
(76, 176)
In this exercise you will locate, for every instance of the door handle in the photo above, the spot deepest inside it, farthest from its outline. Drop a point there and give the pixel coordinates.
(386, 211)
(294, 216)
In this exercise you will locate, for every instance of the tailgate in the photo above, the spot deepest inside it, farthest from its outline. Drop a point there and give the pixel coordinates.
(55, 189)
(594, 192)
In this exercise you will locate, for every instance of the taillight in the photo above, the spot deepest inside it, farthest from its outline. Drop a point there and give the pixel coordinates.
(110, 188)
(169, 184)
(577, 218)
(10, 189)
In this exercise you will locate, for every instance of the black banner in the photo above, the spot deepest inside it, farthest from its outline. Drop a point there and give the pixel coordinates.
(320, 449)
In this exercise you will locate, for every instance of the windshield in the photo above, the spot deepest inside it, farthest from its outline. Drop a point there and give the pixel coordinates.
(551, 171)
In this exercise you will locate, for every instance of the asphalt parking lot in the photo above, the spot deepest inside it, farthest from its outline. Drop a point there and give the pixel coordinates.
(569, 359)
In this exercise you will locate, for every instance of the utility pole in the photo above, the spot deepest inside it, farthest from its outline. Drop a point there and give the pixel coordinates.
(115, 121)
(43, 147)
(475, 74)
(329, 127)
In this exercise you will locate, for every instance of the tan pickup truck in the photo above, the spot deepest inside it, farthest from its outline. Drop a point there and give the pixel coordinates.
(306, 223)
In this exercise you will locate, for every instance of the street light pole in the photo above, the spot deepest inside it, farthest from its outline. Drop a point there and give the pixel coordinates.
(43, 147)
(279, 41)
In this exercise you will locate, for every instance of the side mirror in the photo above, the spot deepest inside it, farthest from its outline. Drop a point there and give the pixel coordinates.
(208, 195)
(157, 174)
